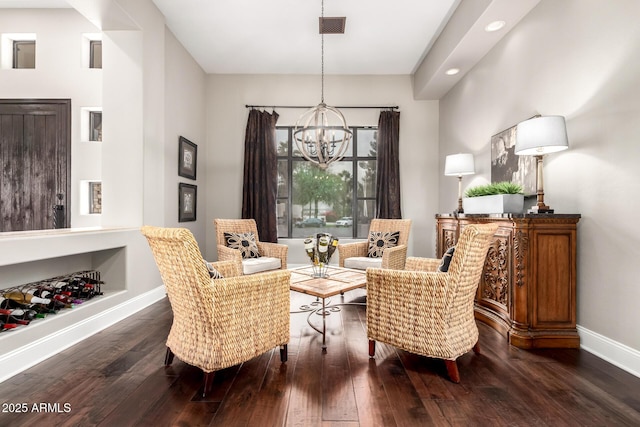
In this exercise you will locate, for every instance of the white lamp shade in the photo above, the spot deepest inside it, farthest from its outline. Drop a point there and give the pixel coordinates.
(541, 135)
(459, 164)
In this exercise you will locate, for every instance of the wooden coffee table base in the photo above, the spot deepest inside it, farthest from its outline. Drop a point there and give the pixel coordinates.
(339, 281)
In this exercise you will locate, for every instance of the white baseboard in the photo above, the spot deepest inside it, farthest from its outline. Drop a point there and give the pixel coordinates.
(35, 352)
(617, 354)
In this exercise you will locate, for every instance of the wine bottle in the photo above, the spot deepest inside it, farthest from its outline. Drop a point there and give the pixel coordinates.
(333, 245)
(65, 299)
(88, 291)
(20, 313)
(21, 298)
(6, 317)
(41, 291)
(4, 326)
(323, 248)
(309, 248)
(60, 284)
(76, 287)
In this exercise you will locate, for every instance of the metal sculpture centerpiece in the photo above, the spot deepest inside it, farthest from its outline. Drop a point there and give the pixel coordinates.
(319, 249)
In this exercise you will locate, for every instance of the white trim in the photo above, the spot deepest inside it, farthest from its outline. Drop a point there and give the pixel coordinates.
(617, 354)
(35, 352)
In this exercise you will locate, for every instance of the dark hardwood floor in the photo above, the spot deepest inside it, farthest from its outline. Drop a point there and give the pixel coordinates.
(117, 378)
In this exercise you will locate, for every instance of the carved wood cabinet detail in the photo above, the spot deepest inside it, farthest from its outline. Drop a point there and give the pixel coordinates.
(528, 286)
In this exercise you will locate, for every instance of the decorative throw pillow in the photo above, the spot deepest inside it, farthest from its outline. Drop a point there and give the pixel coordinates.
(244, 242)
(446, 260)
(213, 273)
(379, 241)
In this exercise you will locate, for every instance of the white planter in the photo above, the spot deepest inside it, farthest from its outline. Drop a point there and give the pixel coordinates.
(498, 203)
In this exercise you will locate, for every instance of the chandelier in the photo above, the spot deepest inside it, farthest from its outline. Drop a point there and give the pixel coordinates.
(321, 133)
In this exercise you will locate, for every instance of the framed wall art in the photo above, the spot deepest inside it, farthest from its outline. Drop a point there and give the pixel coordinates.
(187, 158)
(507, 166)
(187, 202)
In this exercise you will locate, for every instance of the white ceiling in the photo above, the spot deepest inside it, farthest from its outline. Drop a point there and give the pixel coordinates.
(30, 4)
(419, 37)
(281, 36)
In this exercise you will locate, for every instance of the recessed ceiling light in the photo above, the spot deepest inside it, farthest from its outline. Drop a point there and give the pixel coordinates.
(495, 26)
(452, 71)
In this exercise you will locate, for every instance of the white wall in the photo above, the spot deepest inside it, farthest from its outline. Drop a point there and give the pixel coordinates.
(59, 73)
(185, 107)
(227, 96)
(145, 98)
(579, 59)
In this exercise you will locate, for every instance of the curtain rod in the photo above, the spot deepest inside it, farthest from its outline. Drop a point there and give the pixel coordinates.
(387, 107)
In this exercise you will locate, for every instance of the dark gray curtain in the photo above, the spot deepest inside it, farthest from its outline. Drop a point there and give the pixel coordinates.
(388, 179)
(260, 184)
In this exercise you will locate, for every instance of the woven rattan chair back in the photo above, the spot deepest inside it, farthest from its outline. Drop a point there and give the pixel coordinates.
(464, 274)
(185, 277)
(234, 226)
(218, 323)
(391, 225)
(426, 311)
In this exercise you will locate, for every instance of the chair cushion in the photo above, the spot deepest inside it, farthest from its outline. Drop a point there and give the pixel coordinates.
(257, 265)
(379, 241)
(446, 260)
(362, 262)
(213, 273)
(244, 242)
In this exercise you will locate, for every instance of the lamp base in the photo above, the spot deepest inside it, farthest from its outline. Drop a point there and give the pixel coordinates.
(540, 210)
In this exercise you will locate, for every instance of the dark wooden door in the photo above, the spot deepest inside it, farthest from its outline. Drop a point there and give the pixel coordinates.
(35, 153)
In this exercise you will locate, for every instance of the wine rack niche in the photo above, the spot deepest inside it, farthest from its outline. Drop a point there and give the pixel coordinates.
(20, 305)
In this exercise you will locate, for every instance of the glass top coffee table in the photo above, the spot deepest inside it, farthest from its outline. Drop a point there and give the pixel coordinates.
(338, 281)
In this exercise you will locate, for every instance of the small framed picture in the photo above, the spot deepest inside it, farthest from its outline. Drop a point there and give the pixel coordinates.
(187, 158)
(187, 202)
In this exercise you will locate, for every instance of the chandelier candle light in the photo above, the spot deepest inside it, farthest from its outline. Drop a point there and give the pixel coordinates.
(320, 249)
(458, 165)
(321, 133)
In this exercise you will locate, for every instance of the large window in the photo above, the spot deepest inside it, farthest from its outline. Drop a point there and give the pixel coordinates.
(311, 199)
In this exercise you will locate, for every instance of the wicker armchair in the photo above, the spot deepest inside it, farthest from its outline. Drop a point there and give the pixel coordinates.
(270, 253)
(223, 322)
(393, 258)
(429, 312)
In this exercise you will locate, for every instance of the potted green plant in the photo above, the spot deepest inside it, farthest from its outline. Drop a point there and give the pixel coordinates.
(497, 197)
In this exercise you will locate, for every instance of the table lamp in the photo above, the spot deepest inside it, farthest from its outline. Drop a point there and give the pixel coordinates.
(536, 137)
(458, 165)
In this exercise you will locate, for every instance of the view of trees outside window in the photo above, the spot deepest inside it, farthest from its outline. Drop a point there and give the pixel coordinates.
(312, 200)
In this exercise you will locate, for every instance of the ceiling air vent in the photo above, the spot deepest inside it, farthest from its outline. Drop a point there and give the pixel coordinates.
(332, 25)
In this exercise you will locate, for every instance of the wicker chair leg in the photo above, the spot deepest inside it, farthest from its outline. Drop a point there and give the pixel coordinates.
(208, 383)
(284, 355)
(476, 348)
(452, 370)
(168, 357)
(372, 348)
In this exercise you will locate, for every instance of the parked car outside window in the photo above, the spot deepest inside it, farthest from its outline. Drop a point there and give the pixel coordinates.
(310, 222)
(345, 221)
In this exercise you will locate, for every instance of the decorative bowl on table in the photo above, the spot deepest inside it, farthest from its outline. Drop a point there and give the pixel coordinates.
(319, 249)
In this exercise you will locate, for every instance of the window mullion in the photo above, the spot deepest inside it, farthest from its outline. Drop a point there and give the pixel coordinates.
(337, 207)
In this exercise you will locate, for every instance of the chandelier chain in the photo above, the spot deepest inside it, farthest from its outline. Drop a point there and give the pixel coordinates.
(322, 52)
(321, 133)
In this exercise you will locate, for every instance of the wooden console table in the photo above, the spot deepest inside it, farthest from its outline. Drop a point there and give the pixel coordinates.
(528, 286)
